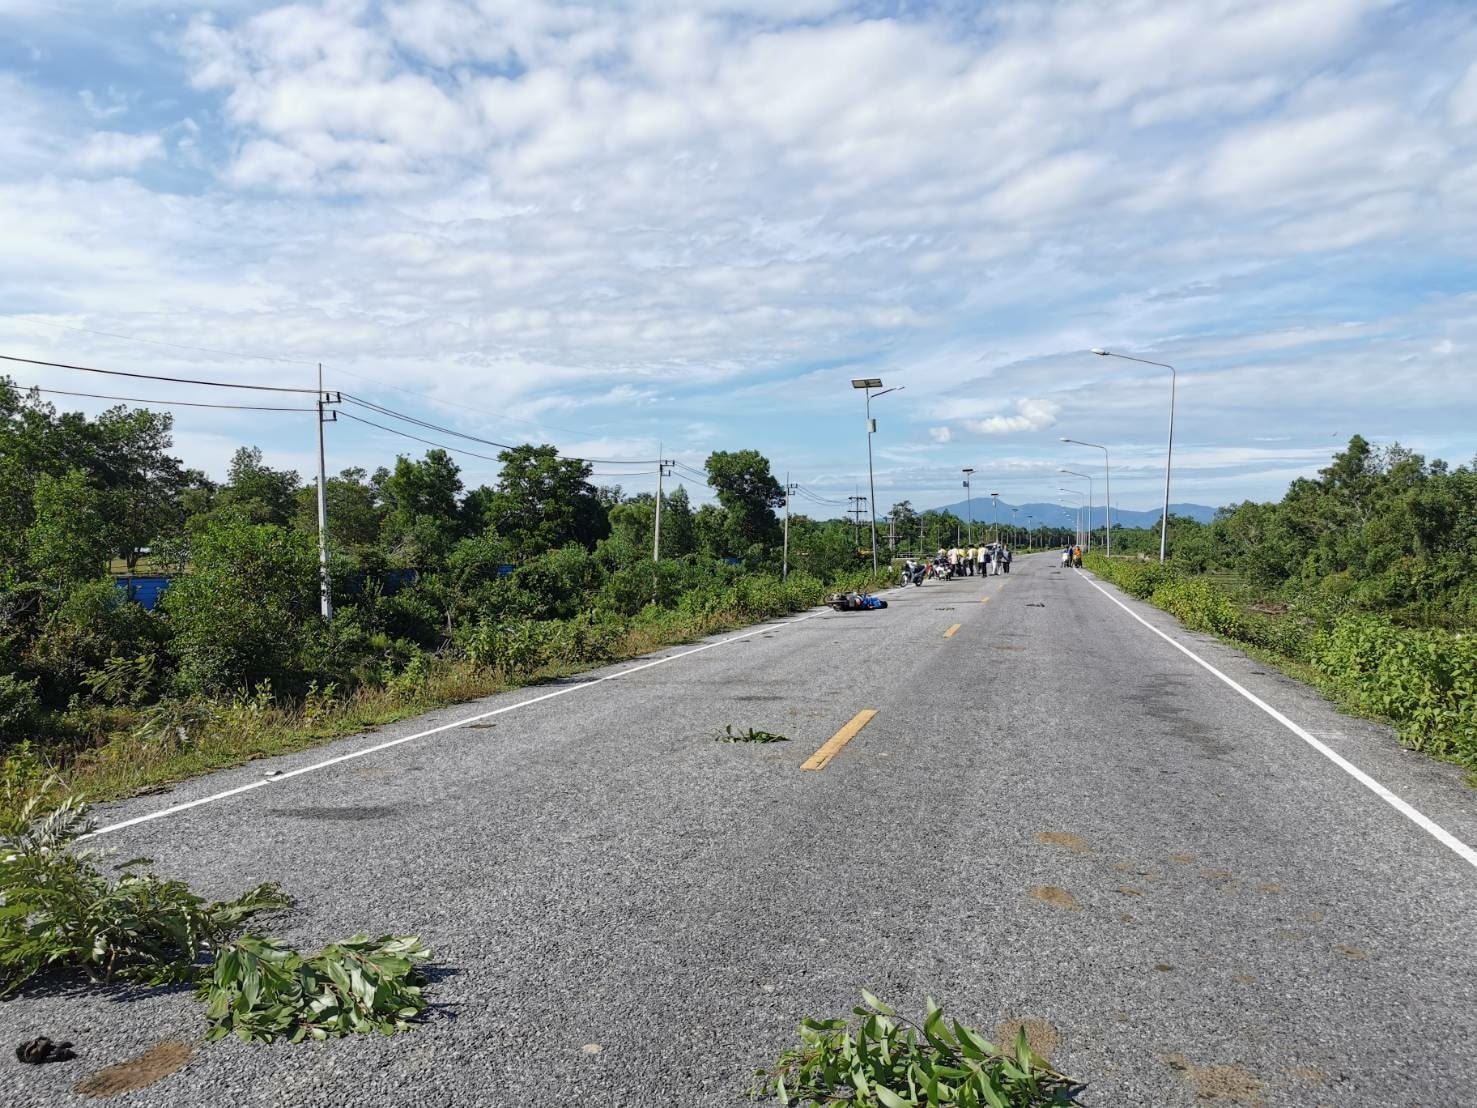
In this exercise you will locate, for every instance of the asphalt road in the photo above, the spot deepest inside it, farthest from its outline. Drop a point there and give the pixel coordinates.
(1054, 816)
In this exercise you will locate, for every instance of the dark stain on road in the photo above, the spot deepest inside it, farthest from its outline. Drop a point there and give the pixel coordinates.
(1056, 897)
(1164, 697)
(1075, 843)
(1041, 1036)
(154, 1064)
(1230, 1084)
(359, 812)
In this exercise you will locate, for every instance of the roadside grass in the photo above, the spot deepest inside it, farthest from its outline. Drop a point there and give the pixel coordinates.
(1421, 682)
(142, 753)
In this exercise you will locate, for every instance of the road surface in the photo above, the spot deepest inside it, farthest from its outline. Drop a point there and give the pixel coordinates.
(1054, 816)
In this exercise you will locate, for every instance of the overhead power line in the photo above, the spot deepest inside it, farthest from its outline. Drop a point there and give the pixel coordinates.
(167, 403)
(459, 406)
(415, 438)
(158, 376)
(429, 426)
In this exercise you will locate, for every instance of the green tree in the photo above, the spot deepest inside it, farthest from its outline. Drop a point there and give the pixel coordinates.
(679, 537)
(259, 493)
(749, 495)
(66, 543)
(355, 516)
(141, 481)
(904, 525)
(245, 610)
(421, 517)
(632, 522)
(544, 502)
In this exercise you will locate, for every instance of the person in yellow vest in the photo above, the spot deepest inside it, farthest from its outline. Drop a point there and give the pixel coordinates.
(969, 558)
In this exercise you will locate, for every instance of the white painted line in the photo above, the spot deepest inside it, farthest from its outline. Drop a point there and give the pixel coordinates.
(283, 776)
(1420, 819)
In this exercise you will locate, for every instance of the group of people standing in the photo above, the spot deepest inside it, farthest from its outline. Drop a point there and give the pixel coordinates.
(969, 560)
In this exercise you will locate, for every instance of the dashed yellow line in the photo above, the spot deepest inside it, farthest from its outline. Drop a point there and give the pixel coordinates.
(950, 633)
(984, 599)
(832, 746)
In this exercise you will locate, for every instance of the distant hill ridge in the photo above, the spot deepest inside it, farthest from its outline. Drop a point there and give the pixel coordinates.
(1055, 515)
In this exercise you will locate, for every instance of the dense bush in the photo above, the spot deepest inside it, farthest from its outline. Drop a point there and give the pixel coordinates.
(1426, 681)
(241, 615)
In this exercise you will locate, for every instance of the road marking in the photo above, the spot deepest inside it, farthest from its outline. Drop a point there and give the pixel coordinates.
(832, 746)
(279, 777)
(1419, 818)
(983, 599)
(952, 631)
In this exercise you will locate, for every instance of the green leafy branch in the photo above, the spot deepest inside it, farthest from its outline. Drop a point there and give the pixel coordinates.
(57, 908)
(878, 1059)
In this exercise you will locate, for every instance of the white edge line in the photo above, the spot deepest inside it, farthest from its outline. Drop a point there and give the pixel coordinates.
(1420, 819)
(758, 628)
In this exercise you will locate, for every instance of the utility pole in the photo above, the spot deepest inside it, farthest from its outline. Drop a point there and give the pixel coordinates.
(785, 557)
(969, 502)
(855, 511)
(325, 591)
(656, 535)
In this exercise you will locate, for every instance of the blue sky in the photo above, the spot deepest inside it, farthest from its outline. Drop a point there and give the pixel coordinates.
(615, 225)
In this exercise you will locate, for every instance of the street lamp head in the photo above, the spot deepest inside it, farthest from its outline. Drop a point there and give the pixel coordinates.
(1100, 352)
(866, 382)
(1065, 439)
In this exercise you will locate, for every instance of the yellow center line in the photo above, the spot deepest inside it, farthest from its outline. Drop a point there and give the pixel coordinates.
(949, 634)
(832, 746)
(983, 599)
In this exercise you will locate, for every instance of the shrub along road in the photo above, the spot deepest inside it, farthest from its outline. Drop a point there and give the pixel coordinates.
(1053, 816)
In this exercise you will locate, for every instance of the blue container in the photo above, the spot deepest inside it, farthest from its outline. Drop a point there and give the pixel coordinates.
(145, 591)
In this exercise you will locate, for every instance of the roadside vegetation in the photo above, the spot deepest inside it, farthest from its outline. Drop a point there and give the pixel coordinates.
(441, 593)
(1363, 581)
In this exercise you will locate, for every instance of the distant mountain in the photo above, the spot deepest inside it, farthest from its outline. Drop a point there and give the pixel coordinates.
(1057, 516)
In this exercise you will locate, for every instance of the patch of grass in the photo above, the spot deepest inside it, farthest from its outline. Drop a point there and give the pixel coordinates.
(749, 736)
(878, 1059)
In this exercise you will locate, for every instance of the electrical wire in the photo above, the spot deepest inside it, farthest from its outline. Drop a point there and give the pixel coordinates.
(157, 376)
(416, 438)
(459, 407)
(168, 403)
(429, 426)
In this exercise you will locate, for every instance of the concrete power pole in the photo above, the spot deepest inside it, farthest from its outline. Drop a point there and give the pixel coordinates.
(325, 589)
(662, 465)
(785, 557)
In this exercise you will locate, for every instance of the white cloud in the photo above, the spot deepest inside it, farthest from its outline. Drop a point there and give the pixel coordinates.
(1031, 415)
(115, 151)
(535, 205)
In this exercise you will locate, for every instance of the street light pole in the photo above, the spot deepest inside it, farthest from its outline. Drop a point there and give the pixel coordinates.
(1077, 508)
(867, 384)
(1169, 448)
(995, 496)
(1107, 491)
(969, 503)
(1074, 473)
